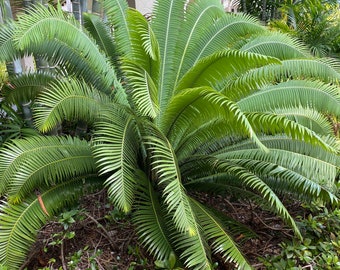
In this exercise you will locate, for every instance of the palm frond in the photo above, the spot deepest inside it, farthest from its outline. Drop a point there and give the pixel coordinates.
(145, 49)
(25, 87)
(13, 126)
(144, 91)
(165, 167)
(69, 61)
(250, 181)
(102, 35)
(67, 100)
(289, 180)
(270, 123)
(280, 142)
(27, 164)
(203, 12)
(310, 118)
(222, 242)
(116, 150)
(150, 221)
(227, 184)
(226, 32)
(224, 102)
(19, 224)
(200, 174)
(277, 45)
(8, 51)
(189, 109)
(295, 93)
(166, 23)
(293, 69)
(116, 12)
(50, 27)
(213, 70)
(309, 166)
(194, 250)
(188, 102)
(194, 138)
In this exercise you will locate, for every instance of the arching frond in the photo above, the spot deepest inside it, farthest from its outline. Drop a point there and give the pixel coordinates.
(194, 139)
(277, 45)
(102, 35)
(243, 85)
(189, 101)
(116, 12)
(224, 33)
(150, 221)
(68, 61)
(7, 47)
(294, 93)
(71, 100)
(116, 150)
(287, 180)
(222, 242)
(166, 23)
(19, 224)
(311, 167)
(144, 91)
(194, 249)
(203, 12)
(38, 161)
(185, 106)
(213, 70)
(310, 118)
(280, 142)
(51, 25)
(274, 124)
(251, 181)
(145, 48)
(165, 167)
(25, 87)
(246, 179)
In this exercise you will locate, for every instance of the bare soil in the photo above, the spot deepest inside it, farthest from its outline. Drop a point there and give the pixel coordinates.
(104, 240)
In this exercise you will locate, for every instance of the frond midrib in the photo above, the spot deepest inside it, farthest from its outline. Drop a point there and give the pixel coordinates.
(50, 164)
(282, 88)
(271, 42)
(8, 250)
(189, 39)
(230, 153)
(219, 227)
(62, 21)
(216, 34)
(164, 62)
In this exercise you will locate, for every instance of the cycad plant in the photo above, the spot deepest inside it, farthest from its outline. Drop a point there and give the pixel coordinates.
(194, 100)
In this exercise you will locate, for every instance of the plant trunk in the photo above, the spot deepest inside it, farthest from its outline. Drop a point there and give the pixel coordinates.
(264, 10)
(244, 5)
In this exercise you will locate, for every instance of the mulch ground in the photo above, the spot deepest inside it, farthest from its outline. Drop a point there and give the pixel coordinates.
(104, 240)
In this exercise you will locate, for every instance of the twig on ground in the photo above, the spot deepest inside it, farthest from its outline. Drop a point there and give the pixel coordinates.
(106, 233)
(309, 266)
(273, 228)
(62, 255)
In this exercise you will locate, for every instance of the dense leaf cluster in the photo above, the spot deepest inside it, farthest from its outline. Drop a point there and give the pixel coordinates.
(155, 110)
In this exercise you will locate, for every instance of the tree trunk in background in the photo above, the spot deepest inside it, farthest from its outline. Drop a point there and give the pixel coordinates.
(132, 3)
(244, 5)
(76, 10)
(96, 7)
(264, 16)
